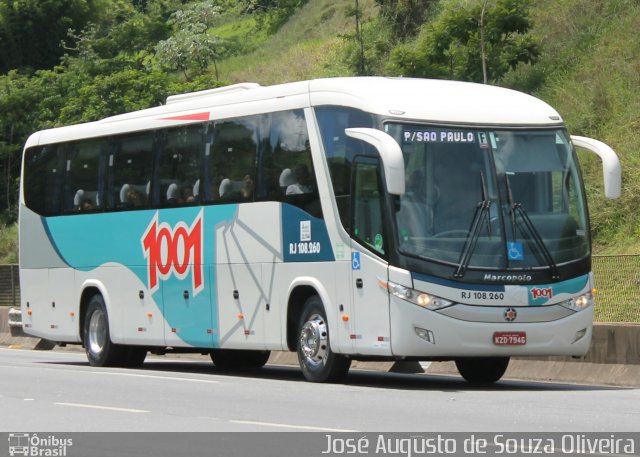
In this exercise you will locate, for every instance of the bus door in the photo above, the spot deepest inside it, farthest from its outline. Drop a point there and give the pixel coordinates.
(369, 270)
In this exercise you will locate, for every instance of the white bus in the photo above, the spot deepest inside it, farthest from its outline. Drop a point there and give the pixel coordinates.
(345, 219)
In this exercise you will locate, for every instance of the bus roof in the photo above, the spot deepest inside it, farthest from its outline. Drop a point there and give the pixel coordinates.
(433, 101)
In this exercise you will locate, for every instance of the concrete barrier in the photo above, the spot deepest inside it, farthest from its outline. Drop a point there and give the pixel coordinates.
(613, 359)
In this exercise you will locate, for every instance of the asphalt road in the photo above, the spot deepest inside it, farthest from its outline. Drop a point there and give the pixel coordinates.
(57, 391)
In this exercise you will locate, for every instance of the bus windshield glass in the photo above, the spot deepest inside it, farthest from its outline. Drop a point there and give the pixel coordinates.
(508, 199)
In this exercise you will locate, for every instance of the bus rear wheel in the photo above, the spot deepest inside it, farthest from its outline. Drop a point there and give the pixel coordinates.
(482, 370)
(236, 359)
(317, 361)
(101, 352)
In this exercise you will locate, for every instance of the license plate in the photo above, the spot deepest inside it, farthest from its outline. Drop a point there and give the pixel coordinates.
(510, 338)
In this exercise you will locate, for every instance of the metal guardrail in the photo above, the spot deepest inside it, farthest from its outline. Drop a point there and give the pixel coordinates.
(9, 285)
(617, 281)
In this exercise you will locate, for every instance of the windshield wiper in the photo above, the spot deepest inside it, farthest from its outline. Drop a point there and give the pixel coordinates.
(516, 209)
(479, 216)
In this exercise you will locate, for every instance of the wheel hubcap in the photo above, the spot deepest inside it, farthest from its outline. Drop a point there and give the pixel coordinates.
(313, 340)
(97, 332)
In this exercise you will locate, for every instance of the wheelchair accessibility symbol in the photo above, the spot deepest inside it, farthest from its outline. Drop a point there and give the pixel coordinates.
(355, 260)
(515, 250)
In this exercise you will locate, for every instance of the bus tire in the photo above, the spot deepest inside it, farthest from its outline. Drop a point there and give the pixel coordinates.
(238, 359)
(101, 352)
(482, 370)
(317, 361)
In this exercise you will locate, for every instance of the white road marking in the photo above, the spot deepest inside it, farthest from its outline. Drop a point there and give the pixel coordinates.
(170, 378)
(299, 427)
(108, 408)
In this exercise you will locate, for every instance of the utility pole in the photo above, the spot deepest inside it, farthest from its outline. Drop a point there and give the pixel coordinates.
(482, 46)
(360, 38)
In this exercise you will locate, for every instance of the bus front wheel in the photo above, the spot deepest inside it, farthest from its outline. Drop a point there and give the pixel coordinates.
(101, 352)
(482, 370)
(317, 361)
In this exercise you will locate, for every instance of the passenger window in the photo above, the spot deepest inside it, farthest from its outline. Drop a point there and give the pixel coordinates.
(340, 149)
(44, 167)
(83, 186)
(288, 173)
(231, 161)
(179, 166)
(130, 165)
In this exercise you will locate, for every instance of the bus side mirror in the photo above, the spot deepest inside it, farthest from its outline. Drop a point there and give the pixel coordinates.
(390, 153)
(610, 163)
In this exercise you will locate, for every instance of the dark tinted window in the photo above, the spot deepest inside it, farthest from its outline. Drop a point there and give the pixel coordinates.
(288, 174)
(179, 165)
(130, 165)
(231, 160)
(263, 157)
(43, 174)
(340, 149)
(83, 185)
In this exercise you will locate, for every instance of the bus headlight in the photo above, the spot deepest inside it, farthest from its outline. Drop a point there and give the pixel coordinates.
(417, 297)
(579, 303)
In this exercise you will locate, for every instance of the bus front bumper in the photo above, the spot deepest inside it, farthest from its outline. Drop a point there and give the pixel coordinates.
(419, 332)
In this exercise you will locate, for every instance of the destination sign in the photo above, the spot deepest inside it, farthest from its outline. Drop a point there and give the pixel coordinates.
(440, 136)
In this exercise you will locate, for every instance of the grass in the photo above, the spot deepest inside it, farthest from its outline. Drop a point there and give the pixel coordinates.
(307, 46)
(9, 244)
(590, 59)
(617, 280)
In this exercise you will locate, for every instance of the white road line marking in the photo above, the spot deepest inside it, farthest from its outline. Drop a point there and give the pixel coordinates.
(300, 427)
(108, 408)
(170, 378)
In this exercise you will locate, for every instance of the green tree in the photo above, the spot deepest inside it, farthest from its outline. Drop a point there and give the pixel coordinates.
(366, 49)
(108, 68)
(192, 47)
(359, 62)
(19, 98)
(405, 16)
(272, 14)
(31, 30)
(450, 46)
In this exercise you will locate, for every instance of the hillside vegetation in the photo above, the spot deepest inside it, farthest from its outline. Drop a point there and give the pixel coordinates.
(581, 56)
(591, 69)
(588, 69)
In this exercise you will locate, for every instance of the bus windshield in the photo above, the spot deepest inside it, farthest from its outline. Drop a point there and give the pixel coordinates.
(508, 199)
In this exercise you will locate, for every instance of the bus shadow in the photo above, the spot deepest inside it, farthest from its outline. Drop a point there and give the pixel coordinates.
(357, 377)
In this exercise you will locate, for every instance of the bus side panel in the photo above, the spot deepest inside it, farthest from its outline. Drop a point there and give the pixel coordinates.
(132, 320)
(187, 313)
(321, 276)
(241, 306)
(46, 283)
(275, 308)
(63, 305)
(47, 304)
(34, 299)
(245, 251)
